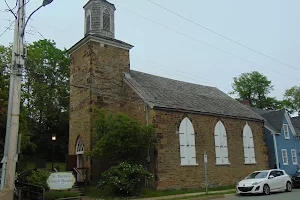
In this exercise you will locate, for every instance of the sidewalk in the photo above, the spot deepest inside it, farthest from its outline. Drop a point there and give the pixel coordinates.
(214, 195)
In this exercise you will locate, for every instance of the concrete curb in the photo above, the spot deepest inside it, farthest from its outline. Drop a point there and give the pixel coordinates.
(191, 195)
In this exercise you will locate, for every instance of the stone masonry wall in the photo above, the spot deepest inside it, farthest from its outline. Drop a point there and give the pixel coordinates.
(80, 99)
(172, 175)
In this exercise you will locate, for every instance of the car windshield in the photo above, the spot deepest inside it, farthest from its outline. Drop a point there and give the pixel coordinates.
(256, 175)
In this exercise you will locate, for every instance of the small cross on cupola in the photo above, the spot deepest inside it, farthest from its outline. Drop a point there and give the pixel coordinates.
(99, 18)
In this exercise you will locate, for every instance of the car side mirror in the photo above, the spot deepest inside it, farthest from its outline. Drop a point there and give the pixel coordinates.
(271, 176)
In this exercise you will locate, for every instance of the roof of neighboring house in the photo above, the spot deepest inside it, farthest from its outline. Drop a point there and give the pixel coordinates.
(267, 115)
(165, 93)
(275, 119)
(296, 124)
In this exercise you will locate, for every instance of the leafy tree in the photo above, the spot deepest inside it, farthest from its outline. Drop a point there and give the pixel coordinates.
(292, 99)
(45, 98)
(5, 55)
(46, 95)
(121, 138)
(255, 88)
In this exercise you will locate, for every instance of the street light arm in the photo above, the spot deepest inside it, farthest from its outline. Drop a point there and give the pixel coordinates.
(29, 19)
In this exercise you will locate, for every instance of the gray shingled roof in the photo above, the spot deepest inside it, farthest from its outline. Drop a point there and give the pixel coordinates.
(269, 120)
(296, 124)
(167, 93)
(275, 119)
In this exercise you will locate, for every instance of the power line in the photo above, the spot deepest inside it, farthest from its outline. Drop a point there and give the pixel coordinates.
(202, 42)
(223, 36)
(7, 29)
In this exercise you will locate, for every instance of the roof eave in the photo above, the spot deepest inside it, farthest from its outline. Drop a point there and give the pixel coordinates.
(89, 38)
(205, 113)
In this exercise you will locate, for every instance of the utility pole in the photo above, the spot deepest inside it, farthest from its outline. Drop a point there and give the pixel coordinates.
(14, 97)
(12, 145)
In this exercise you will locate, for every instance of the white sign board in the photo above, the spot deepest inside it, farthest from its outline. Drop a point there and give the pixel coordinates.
(205, 158)
(61, 181)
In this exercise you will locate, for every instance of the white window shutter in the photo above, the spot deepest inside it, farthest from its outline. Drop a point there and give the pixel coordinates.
(224, 146)
(248, 143)
(191, 143)
(218, 144)
(187, 142)
(251, 144)
(182, 142)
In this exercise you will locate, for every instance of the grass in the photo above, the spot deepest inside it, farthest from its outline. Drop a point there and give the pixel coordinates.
(107, 193)
(62, 166)
(52, 195)
(204, 195)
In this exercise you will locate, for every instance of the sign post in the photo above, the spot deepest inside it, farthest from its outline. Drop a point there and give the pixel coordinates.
(205, 169)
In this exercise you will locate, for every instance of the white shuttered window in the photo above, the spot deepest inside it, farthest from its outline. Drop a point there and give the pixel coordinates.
(249, 153)
(294, 156)
(285, 157)
(221, 144)
(187, 143)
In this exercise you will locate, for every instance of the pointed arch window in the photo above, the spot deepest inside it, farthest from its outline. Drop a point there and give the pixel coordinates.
(249, 153)
(88, 22)
(106, 20)
(187, 143)
(221, 144)
(79, 146)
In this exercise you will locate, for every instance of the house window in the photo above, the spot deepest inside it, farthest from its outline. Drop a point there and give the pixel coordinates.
(187, 143)
(294, 156)
(88, 23)
(79, 146)
(221, 144)
(248, 143)
(286, 131)
(285, 157)
(106, 20)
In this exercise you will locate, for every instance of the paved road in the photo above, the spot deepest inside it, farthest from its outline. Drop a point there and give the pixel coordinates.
(295, 194)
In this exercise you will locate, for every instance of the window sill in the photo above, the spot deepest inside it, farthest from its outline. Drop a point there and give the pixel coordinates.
(250, 163)
(220, 164)
(295, 163)
(192, 165)
(285, 163)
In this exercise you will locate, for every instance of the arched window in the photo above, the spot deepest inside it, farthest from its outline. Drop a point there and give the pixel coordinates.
(221, 144)
(249, 154)
(88, 20)
(187, 143)
(79, 146)
(106, 20)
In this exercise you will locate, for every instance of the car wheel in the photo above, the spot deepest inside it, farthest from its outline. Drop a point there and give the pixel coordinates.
(266, 189)
(289, 187)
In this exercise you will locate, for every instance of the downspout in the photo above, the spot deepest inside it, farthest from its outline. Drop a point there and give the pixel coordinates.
(147, 123)
(276, 152)
(148, 151)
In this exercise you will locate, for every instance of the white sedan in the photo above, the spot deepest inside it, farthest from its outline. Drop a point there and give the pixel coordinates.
(265, 182)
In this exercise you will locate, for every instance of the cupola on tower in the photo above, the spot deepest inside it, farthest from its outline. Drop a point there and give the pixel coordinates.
(99, 18)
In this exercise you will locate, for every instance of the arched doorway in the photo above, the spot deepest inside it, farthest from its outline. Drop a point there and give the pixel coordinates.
(80, 158)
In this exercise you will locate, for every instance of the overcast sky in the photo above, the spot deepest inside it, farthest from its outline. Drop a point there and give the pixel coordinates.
(169, 46)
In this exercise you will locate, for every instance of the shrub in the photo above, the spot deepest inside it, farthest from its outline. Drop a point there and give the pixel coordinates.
(51, 195)
(124, 178)
(39, 177)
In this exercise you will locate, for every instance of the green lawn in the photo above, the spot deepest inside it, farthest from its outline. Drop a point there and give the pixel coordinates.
(95, 192)
(62, 166)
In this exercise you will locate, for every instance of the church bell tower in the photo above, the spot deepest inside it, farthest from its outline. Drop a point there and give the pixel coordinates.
(99, 18)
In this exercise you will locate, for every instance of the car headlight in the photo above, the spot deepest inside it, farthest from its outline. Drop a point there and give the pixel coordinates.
(256, 183)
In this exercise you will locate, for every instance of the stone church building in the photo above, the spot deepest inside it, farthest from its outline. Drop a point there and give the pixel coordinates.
(189, 118)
